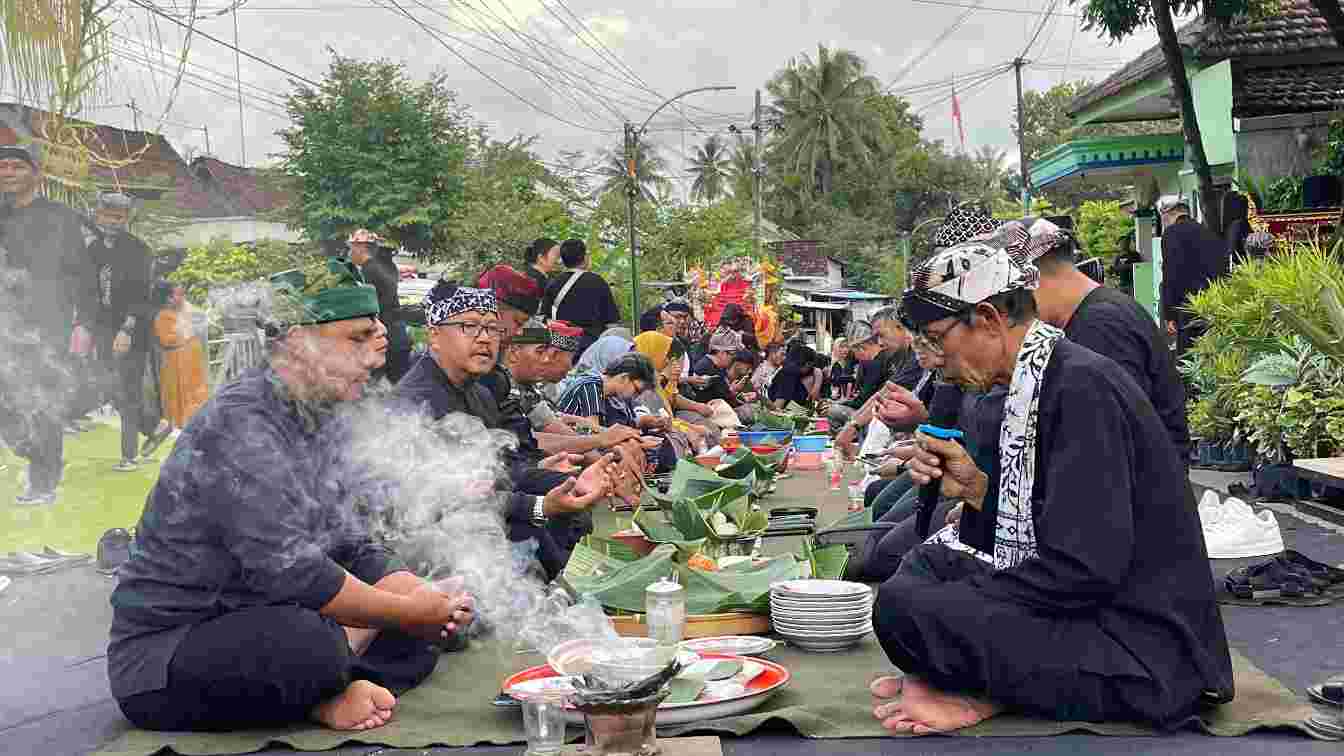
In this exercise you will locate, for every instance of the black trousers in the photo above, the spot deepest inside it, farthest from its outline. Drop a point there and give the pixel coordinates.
(38, 437)
(935, 625)
(121, 380)
(269, 666)
(885, 556)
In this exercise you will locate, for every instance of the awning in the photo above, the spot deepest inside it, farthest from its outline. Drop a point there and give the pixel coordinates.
(820, 305)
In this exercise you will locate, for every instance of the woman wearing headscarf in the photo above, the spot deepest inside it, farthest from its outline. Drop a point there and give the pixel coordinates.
(665, 353)
(182, 377)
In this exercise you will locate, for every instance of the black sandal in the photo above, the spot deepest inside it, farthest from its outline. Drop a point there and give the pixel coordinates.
(1323, 575)
(1275, 579)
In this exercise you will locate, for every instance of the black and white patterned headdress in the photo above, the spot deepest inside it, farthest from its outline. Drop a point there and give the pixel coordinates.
(960, 277)
(447, 300)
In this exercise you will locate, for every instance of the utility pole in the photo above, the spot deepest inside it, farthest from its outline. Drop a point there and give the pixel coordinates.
(756, 171)
(238, 80)
(1021, 137)
(206, 129)
(631, 195)
(135, 114)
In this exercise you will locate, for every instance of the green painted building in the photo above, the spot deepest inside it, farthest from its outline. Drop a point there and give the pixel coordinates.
(1264, 92)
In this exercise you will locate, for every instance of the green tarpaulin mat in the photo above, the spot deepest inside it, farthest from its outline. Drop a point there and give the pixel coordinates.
(827, 698)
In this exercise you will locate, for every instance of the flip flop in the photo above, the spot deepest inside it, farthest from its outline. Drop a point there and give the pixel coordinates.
(72, 557)
(1274, 582)
(4, 583)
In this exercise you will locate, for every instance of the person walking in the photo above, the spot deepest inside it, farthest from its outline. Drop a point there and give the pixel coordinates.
(50, 294)
(123, 319)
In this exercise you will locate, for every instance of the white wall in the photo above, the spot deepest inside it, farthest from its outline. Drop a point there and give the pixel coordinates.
(237, 230)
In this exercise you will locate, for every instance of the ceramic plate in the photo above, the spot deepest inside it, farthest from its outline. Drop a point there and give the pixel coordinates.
(820, 588)
(738, 645)
(772, 679)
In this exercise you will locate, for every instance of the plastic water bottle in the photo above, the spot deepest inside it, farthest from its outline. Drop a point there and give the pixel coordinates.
(837, 470)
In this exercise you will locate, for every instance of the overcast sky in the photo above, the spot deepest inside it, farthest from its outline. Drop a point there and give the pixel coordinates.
(666, 46)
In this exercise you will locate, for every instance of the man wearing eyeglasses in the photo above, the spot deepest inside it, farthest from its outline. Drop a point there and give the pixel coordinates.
(465, 334)
(1097, 547)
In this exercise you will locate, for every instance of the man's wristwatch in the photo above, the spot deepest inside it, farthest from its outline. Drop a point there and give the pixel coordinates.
(538, 511)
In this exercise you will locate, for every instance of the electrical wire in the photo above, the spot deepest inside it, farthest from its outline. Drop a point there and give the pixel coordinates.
(218, 41)
(155, 67)
(493, 80)
(933, 46)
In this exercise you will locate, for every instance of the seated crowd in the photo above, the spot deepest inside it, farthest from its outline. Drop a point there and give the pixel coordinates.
(1066, 577)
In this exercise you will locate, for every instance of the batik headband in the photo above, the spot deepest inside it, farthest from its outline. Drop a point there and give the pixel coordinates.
(961, 224)
(452, 301)
(556, 334)
(961, 277)
(1026, 240)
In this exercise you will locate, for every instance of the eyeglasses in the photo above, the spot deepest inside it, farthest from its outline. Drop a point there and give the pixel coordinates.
(932, 342)
(474, 330)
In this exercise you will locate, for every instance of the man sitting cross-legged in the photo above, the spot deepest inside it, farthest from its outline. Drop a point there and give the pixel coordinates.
(464, 341)
(251, 597)
(1094, 601)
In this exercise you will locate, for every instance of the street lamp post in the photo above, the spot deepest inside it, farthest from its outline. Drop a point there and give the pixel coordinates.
(632, 135)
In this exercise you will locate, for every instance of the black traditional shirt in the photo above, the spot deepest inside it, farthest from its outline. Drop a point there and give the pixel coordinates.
(246, 513)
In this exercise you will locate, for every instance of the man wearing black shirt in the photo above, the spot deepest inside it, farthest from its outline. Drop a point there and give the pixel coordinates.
(1112, 324)
(375, 262)
(54, 292)
(124, 316)
(1192, 256)
(873, 367)
(580, 296)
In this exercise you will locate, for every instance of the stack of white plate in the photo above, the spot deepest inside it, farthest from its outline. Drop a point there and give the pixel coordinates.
(821, 615)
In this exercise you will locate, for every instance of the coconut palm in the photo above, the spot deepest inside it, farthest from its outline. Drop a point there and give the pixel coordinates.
(822, 104)
(710, 164)
(651, 171)
(740, 169)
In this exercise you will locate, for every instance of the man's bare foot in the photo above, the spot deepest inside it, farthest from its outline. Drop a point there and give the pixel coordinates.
(363, 706)
(923, 709)
(887, 686)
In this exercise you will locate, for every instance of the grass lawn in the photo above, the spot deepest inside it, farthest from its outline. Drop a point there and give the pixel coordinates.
(92, 497)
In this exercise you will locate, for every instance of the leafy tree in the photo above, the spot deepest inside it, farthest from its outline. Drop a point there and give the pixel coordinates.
(373, 149)
(650, 172)
(1121, 19)
(710, 166)
(222, 262)
(823, 106)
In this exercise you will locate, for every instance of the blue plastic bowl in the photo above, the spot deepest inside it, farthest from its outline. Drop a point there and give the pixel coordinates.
(760, 438)
(810, 443)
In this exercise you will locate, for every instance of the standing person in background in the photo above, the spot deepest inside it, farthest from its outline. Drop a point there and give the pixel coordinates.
(53, 296)
(122, 322)
(842, 371)
(374, 258)
(543, 258)
(580, 296)
(183, 376)
(1192, 256)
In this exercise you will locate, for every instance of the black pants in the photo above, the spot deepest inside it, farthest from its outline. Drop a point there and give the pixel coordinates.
(121, 380)
(934, 624)
(39, 437)
(398, 353)
(269, 666)
(884, 556)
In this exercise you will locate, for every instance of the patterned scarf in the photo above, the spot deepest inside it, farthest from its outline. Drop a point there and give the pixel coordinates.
(1014, 527)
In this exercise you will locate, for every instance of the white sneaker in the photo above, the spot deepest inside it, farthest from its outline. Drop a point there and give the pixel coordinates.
(1232, 535)
(1212, 510)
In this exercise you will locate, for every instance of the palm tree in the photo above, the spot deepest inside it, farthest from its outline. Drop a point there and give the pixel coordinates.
(710, 164)
(823, 106)
(740, 169)
(990, 169)
(651, 171)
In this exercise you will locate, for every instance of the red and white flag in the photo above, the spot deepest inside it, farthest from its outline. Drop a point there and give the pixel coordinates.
(956, 116)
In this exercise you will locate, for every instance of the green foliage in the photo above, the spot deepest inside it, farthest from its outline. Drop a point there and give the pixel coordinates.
(651, 171)
(710, 166)
(221, 262)
(1244, 369)
(373, 149)
(1100, 225)
(1333, 161)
